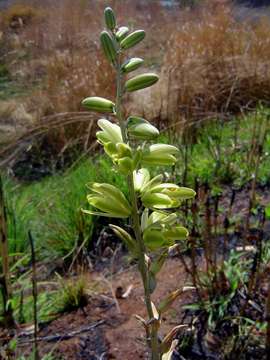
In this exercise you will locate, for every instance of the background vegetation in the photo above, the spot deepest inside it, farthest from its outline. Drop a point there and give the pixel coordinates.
(213, 102)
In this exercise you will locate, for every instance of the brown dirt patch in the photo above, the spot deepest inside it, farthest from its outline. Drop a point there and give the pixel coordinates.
(120, 336)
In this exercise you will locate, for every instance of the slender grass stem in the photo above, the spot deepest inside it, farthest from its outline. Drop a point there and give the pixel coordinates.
(35, 295)
(267, 345)
(5, 278)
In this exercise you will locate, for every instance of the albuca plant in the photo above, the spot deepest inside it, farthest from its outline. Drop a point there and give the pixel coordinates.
(151, 206)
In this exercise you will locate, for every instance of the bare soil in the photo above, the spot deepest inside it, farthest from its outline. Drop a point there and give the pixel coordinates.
(120, 336)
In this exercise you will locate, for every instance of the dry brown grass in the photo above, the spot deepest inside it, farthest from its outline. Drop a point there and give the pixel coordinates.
(209, 63)
(216, 65)
(19, 15)
(60, 60)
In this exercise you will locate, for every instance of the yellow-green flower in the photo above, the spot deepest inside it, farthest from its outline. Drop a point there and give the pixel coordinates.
(109, 200)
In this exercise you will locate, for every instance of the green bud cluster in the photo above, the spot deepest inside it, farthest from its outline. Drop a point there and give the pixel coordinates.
(152, 204)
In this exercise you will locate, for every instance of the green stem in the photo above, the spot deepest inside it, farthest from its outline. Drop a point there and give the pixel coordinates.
(136, 221)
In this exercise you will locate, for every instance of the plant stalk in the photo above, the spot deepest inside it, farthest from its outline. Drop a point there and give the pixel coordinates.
(35, 295)
(136, 223)
(267, 310)
(5, 277)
